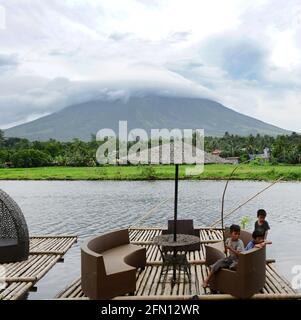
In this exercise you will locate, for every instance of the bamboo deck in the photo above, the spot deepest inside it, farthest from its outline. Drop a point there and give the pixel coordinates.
(151, 286)
(45, 252)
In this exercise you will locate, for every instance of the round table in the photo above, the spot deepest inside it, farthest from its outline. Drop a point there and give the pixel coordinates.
(182, 241)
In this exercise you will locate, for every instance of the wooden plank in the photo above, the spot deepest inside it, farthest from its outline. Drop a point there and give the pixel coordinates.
(25, 266)
(52, 253)
(19, 291)
(146, 228)
(45, 252)
(66, 292)
(53, 236)
(13, 268)
(191, 262)
(147, 242)
(68, 245)
(139, 278)
(144, 280)
(212, 297)
(152, 285)
(279, 282)
(133, 234)
(282, 278)
(19, 279)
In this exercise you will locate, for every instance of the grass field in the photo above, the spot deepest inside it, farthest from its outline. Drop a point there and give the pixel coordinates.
(158, 172)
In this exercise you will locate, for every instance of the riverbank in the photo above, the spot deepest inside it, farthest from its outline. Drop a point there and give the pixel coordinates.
(157, 172)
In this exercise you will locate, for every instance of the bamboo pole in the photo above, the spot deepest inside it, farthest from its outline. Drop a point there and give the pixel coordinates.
(25, 265)
(20, 293)
(143, 228)
(66, 292)
(190, 262)
(60, 253)
(268, 261)
(46, 251)
(271, 266)
(53, 236)
(247, 201)
(48, 267)
(259, 296)
(151, 243)
(12, 268)
(223, 205)
(19, 279)
(149, 213)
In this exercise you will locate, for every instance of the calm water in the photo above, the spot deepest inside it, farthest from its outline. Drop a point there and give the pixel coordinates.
(88, 208)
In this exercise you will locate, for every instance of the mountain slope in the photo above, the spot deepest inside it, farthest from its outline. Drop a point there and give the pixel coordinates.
(151, 112)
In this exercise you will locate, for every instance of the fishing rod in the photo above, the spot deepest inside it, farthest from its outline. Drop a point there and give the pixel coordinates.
(150, 212)
(223, 206)
(223, 199)
(247, 201)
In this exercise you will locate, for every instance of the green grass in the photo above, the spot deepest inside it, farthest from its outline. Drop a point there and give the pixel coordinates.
(158, 172)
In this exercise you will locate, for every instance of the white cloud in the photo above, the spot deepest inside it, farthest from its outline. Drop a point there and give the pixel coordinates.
(285, 53)
(245, 54)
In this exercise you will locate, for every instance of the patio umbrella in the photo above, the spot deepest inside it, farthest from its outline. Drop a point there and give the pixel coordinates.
(177, 157)
(182, 154)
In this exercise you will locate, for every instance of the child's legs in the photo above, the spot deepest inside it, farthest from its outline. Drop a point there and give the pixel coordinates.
(219, 264)
(233, 265)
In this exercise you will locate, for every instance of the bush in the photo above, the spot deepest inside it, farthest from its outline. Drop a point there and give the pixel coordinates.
(80, 159)
(244, 222)
(148, 172)
(29, 158)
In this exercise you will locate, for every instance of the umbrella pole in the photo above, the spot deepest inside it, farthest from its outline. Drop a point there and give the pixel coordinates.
(176, 203)
(175, 220)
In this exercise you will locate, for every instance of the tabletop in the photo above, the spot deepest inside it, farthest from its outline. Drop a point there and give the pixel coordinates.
(182, 240)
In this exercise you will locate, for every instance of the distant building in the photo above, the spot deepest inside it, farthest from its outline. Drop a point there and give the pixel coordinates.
(8, 165)
(266, 155)
(216, 152)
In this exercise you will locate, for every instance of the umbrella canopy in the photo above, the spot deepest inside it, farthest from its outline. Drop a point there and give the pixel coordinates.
(176, 152)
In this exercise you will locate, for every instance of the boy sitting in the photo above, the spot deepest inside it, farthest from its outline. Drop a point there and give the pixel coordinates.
(261, 224)
(258, 241)
(234, 246)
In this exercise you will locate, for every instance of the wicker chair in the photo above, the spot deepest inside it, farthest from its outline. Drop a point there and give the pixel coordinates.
(14, 238)
(249, 277)
(109, 265)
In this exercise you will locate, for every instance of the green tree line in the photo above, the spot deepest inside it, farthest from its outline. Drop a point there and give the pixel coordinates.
(17, 152)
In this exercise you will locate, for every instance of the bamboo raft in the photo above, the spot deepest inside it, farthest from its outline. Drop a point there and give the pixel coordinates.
(149, 284)
(45, 252)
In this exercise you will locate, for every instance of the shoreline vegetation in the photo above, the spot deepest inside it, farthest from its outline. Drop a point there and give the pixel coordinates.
(266, 172)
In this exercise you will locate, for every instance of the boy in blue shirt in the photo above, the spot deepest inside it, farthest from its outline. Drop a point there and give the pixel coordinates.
(258, 241)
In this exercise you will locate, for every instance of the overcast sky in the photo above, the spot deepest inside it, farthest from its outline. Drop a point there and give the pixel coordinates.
(244, 54)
